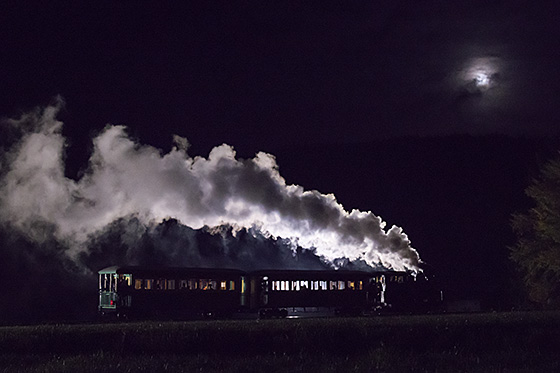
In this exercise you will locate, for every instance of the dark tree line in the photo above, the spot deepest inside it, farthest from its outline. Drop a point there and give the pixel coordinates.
(537, 250)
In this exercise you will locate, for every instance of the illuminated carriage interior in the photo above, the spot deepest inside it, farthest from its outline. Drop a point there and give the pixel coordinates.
(141, 291)
(301, 285)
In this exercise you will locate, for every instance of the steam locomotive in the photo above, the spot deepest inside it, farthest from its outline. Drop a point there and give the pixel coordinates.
(142, 292)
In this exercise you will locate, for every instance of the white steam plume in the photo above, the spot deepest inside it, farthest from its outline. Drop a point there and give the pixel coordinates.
(125, 178)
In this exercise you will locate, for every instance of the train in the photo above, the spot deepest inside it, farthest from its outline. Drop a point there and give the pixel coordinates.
(137, 292)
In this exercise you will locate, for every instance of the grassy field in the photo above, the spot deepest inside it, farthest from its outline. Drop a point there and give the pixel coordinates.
(499, 342)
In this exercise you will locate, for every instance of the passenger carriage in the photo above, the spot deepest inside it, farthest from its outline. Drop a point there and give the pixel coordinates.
(169, 292)
(283, 292)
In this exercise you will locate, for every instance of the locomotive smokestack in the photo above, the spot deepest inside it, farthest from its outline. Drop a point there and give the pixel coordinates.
(125, 179)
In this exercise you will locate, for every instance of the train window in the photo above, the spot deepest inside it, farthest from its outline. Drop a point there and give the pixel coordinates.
(283, 285)
(206, 284)
(123, 281)
(295, 286)
(138, 284)
(323, 285)
(232, 285)
(160, 284)
(243, 291)
(223, 285)
(341, 285)
(105, 281)
(193, 284)
(183, 284)
(351, 285)
(314, 285)
(333, 285)
(149, 284)
(360, 285)
(304, 285)
(171, 284)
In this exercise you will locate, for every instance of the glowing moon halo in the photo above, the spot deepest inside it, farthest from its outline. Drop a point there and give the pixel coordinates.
(479, 73)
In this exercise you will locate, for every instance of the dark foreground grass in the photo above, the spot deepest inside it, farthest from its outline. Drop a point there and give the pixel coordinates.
(459, 343)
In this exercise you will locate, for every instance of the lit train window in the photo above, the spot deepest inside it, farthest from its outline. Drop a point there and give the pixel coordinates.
(278, 285)
(333, 285)
(304, 285)
(360, 285)
(138, 284)
(323, 285)
(314, 285)
(223, 285)
(282, 285)
(149, 284)
(341, 285)
(105, 280)
(171, 284)
(206, 284)
(232, 285)
(184, 284)
(351, 285)
(295, 286)
(125, 280)
(193, 284)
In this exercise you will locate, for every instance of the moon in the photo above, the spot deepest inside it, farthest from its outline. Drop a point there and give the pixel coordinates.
(482, 80)
(480, 74)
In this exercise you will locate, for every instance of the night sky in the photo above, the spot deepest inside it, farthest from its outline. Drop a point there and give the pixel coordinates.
(258, 74)
(434, 115)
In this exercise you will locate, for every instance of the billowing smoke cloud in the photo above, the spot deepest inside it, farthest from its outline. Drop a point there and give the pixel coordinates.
(126, 180)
